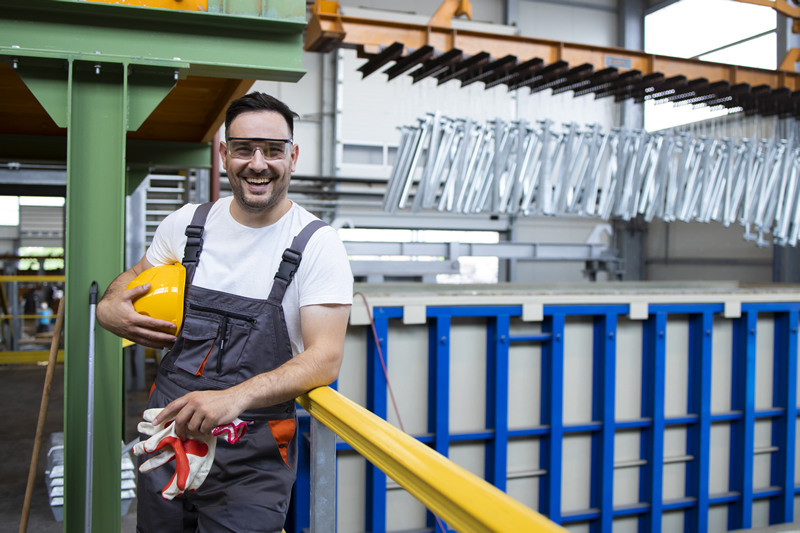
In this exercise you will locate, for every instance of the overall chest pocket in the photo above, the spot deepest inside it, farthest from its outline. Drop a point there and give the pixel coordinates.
(213, 343)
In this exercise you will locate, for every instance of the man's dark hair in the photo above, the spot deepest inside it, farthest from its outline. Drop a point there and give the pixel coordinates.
(259, 102)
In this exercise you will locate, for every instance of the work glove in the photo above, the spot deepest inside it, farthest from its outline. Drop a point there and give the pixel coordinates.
(193, 455)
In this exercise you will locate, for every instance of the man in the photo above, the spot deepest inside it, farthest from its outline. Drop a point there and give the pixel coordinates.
(252, 340)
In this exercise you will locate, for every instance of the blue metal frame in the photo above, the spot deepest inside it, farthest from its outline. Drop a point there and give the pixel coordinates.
(603, 427)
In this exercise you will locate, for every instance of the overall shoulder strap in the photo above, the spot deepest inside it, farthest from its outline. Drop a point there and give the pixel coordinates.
(194, 240)
(290, 261)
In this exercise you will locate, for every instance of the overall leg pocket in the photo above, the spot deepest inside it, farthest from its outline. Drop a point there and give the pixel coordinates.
(283, 431)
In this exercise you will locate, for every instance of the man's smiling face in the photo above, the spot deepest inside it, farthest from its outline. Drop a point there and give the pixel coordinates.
(259, 184)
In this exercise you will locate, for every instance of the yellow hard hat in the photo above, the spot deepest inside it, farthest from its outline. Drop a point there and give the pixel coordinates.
(164, 300)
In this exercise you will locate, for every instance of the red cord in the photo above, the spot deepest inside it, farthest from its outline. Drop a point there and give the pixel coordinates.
(388, 383)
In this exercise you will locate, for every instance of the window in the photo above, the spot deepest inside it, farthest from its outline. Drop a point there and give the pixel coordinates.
(473, 269)
(743, 34)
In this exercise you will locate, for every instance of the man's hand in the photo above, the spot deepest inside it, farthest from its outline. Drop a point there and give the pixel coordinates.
(202, 411)
(115, 313)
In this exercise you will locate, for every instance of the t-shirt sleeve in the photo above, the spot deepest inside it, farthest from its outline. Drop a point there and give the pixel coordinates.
(169, 239)
(324, 275)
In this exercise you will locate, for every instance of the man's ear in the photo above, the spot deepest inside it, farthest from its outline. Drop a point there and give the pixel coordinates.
(295, 155)
(223, 154)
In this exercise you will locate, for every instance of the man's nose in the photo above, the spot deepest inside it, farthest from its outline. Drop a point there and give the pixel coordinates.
(258, 161)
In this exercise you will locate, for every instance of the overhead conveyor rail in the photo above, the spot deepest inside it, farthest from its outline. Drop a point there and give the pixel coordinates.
(438, 50)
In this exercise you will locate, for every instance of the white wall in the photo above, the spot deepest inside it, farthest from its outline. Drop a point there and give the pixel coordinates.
(548, 20)
(697, 242)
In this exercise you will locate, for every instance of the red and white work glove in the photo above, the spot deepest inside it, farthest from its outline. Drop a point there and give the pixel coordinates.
(193, 455)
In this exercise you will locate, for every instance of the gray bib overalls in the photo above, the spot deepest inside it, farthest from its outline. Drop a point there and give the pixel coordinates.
(227, 339)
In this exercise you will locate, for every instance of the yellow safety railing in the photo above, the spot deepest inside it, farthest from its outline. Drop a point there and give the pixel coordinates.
(31, 279)
(25, 357)
(463, 500)
(33, 356)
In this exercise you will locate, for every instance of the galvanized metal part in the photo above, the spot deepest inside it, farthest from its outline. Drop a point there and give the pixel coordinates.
(509, 168)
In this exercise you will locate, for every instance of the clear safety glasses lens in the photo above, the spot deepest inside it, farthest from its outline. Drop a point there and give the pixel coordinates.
(270, 149)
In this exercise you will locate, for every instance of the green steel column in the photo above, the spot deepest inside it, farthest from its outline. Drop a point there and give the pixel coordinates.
(95, 245)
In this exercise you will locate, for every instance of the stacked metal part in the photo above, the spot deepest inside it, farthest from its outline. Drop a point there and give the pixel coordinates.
(500, 167)
(54, 477)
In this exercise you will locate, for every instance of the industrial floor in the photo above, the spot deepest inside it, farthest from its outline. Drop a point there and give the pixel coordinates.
(20, 398)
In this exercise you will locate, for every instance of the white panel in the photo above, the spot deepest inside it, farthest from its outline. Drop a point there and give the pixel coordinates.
(762, 433)
(567, 23)
(674, 481)
(674, 441)
(576, 473)
(629, 524)
(721, 376)
(796, 506)
(523, 455)
(761, 470)
(672, 522)
(467, 375)
(676, 393)
(760, 513)
(578, 347)
(718, 519)
(353, 374)
(762, 437)
(797, 455)
(351, 474)
(626, 445)
(403, 511)
(765, 357)
(524, 378)
(407, 364)
(719, 454)
(674, 473)
(470, 456)
(628, 393)
(525, 491)
(626, 487)
(582, 527)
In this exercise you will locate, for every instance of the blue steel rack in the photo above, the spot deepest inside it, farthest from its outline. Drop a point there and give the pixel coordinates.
(652, 424)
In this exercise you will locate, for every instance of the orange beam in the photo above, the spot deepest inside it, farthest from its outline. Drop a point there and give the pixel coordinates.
(330, 30)
(184, 5)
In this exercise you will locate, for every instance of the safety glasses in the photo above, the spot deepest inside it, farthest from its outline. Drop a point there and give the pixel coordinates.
(244, 148)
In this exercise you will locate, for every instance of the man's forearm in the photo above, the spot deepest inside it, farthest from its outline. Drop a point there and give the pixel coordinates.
(308, 370)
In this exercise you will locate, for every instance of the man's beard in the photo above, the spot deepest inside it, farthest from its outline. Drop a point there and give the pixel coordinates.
(253, 203)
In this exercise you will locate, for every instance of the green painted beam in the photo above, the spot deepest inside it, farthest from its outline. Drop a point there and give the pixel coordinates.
(207, 44)
(147, 154)
(95, 250)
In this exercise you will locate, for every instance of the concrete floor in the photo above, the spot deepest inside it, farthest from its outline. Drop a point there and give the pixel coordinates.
(20, 397)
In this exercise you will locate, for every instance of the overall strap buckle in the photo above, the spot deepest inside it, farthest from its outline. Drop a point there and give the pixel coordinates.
(194, 244)
(289, 264)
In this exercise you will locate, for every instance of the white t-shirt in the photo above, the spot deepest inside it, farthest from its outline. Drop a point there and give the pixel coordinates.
(241, 260)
